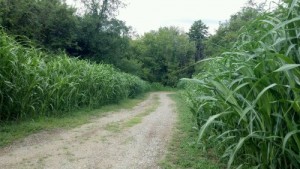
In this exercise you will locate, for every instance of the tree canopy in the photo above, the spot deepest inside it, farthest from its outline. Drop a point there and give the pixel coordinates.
(198, 33)
(165, 55)
(229, 32)
(96, 34)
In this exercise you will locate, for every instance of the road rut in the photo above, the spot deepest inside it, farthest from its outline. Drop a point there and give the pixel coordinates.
(127, 139)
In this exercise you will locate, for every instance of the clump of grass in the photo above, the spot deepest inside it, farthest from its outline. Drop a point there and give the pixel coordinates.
(35, 84)
(132, 122)
(118, 126)
(113, 127)
(138, 118)
(246, 103)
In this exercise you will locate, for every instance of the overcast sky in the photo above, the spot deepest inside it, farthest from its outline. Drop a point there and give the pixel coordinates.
(146, 15)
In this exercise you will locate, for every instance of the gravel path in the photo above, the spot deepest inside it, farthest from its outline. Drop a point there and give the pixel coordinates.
(107, 142)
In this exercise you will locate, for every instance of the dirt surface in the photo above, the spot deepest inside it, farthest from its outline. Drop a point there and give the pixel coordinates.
(118, 140)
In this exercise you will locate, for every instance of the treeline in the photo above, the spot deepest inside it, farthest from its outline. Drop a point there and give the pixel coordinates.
(245, 98)
(93, 33)
(35, 84)
(164, 56)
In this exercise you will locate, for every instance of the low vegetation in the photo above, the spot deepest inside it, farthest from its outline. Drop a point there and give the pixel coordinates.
(137, 119)
(183, 151)
(246, 102)
(34, 84)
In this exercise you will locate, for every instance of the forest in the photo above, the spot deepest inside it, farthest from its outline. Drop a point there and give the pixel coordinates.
(241, 84)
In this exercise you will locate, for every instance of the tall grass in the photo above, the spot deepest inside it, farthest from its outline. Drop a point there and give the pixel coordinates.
(247, 101)
(34, 84)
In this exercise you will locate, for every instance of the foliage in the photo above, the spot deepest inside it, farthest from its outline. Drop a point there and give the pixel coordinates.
(34, 84)
(183, 151)
(246, 102)
(49, 23)
(101, 37)
(94, 34)
(228, 32)
(104, 9)
(198, 33)
(165, 55)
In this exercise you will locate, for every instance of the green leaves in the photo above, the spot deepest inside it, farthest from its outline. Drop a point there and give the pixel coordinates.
(287, 67)
(34, 84)
(258, 83)
(209, 122)
(165, 55)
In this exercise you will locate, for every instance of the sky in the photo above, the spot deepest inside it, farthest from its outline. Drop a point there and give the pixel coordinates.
(146, 15)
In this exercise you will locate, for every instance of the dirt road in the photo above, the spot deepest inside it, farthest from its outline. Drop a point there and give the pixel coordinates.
(126, 139)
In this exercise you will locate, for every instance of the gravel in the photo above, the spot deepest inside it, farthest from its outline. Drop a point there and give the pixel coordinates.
(92, 146)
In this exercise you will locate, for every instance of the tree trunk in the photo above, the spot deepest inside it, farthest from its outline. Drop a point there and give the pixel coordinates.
(199, 53)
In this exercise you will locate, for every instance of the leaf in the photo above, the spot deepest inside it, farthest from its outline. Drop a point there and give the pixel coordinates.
(210, 120)
(225, 91)
(240, 86)
(207, 98)
(262, 92)
(286, 138)
(238, 147)
(291, 8)
(289, 49)
(282, 24)
(287, 67)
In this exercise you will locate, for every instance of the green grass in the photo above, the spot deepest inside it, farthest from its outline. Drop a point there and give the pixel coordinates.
(183, 151)
(36, 84)
(246, 102)
(155, 86)
(113, 127)
(12, 131)
(119, 126)
(134, 121)
(139, 118)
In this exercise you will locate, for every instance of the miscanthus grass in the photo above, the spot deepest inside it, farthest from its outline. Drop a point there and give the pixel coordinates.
(34, 84)
(246, 103)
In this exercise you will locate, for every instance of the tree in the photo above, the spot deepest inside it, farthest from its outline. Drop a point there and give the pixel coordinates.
(48, 22)
(229, 31)
(198, 33)
(101, 10)
(95, 34)
(165, 55)
(101, 37)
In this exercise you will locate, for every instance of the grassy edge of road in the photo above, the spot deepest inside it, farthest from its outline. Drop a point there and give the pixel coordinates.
(13, 131)
(183, 151)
